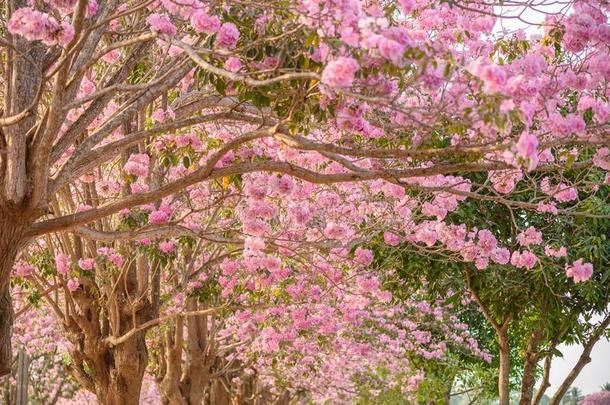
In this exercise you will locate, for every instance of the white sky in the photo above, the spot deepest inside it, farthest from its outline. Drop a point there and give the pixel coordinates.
(592, 376)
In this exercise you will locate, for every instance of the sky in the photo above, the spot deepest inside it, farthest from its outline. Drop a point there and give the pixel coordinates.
(592, 376)
(597, 372)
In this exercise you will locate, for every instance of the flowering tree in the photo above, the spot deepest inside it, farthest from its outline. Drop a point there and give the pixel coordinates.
(289, 129)
(597, 398)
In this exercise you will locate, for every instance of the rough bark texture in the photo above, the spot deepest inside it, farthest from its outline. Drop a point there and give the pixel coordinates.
(126, 372)
(11, 234)
(187, 361)
(114, 372)
(529, 368)
(503, 377)
(23, 69)
(546, 375)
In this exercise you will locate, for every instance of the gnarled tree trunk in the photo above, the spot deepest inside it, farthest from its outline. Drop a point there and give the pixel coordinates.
(126, 366)
(187, 362)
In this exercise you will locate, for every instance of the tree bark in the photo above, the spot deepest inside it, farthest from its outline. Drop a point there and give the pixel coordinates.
(11, 234)
(529, 368)
(546, 376)
(504, 374)
(218, 394)
(130, 360)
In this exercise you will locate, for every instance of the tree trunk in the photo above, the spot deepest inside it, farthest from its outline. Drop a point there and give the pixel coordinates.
(11, 234)
(218, 394)
(503, 378)
(125, 374)
(546, 375)
(529, 368)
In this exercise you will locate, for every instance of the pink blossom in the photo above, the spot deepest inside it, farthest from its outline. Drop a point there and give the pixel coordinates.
(531, 236)
(487, 242)
(167, 247)
(391, 238)
(601, 158)
(227, 36)
(23, 269)
(392, 51)
(202, 22)
(335, 230)
(407, 6)
(552, 252)
(62, 262)
(137, 165)
(232, 64)
(73, 284)
(34, 25)
(602, 397)
(547, 207)
(160, 23)
(565, 193)
(493, 76)
(116, 259)
(86, 264)
(579, 271)
(283, 185)
(364, 256)
(527, 148)
(158, 217)
(500, 255)
(525, 259)
(340, 72)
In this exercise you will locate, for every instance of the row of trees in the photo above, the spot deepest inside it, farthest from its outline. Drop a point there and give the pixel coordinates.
(327, 201)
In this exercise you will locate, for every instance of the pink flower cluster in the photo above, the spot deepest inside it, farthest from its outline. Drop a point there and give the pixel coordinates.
(531, 236)
(204, 23)
(62, 262)
(162, 215)
(588, 23)
(86, 264)
(340, 72)
(34, 25)
(561, 192)
(22, 269)
(579, 271)
(161, 24)
(597, 398)
(167, 246)
(493, 76)
(137, 165)
(111, 255)
(526, 148)
(525, 259)
(227, 36)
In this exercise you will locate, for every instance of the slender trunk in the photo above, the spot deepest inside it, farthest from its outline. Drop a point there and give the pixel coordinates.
(529, 368)
(11, 233)
(546, 376)
(503, 377)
